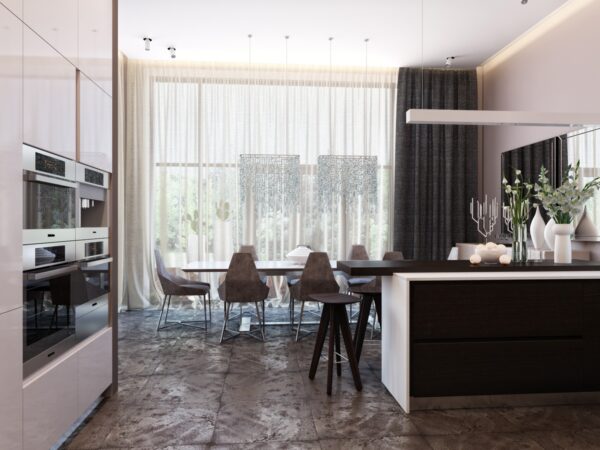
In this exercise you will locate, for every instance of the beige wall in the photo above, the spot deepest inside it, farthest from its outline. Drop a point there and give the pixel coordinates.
(554, 67)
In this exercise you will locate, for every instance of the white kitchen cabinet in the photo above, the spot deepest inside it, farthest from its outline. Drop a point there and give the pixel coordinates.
(95, 41)
(50, 403)
(11, 138)
(11, 376)
(16, 6)
(57, 22)
(49, 97)
(95, 369)
(95, 125)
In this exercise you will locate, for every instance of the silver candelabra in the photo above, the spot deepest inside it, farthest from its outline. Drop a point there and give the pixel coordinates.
(507, 216)
(485, 215)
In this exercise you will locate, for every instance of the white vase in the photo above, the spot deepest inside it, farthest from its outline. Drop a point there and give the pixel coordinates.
(536, 229)
(549, 234)
(562, 243)
(586, 227)
(223, 240)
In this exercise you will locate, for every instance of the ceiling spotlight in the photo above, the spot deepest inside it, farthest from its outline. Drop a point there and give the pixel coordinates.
(147, 42)
(448, 62)
(172, 51)
(524, 2)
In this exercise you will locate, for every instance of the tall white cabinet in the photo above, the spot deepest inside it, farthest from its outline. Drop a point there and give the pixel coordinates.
(11, 312)
(45, 46)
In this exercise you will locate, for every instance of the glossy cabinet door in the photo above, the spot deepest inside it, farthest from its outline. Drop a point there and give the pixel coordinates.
(50, 404)
(56, 22)
(95, 41)
(95, 369)
(95, 125)
(16, 6)
(11, 138)
(49, 97)
(11, 376)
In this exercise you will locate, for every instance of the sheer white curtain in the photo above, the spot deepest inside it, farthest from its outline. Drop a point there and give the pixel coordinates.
(582, 146)
(188, 123)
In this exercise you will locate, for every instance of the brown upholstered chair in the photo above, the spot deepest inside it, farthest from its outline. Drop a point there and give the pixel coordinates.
(317, 278)
(357, 253)
(243, 285)
(249, 249)
(176, 285)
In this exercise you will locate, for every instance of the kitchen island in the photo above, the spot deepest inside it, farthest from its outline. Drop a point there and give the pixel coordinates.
(456, 335)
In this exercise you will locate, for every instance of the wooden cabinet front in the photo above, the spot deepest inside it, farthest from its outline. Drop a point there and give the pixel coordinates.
(504, 337)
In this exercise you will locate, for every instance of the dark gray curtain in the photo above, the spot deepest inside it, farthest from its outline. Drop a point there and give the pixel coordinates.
(550, 153)
(435, 166)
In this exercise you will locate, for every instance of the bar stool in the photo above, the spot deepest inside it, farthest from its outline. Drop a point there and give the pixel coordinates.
(370, 293)
(335, 318)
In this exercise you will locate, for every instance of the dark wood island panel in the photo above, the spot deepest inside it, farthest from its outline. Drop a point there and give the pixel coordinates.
(504, 337)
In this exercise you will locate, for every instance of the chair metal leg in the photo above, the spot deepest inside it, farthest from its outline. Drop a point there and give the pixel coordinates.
(204, 304)
(161, 313)
(168, 307)
(300, 322)
(347, 336)
(226, 308)
(209, 307)
(261, 320)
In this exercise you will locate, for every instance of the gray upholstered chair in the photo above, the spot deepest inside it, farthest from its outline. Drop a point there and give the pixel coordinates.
(357, 253)
(243, 285)
(175, 285)
(317, 278)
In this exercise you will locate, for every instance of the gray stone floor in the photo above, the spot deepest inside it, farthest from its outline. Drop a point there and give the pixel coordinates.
(181, 389)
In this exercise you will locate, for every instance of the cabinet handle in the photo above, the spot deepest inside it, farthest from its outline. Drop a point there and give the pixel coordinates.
(51, 235)
(94, 304)
(51, 354)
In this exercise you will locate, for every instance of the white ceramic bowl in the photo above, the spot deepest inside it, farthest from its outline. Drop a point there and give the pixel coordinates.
(490, 255)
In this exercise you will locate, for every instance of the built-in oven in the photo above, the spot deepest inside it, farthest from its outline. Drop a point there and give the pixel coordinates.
(38, 256)
(62, 306)
(50, 299)
(91, 249)
(92, 316)
(49, 197)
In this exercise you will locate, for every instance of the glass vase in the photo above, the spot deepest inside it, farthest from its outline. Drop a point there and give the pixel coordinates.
(519, 243)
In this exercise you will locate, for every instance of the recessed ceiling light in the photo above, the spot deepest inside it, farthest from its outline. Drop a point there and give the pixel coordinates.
(449, 60)
(172, 51)
(147, 42)
(524, 2)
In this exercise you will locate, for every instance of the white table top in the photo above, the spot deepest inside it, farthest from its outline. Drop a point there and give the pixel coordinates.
(268, 267)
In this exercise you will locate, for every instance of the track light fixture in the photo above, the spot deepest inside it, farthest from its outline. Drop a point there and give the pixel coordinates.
(449, 60)
(172, 51)
(147, 42)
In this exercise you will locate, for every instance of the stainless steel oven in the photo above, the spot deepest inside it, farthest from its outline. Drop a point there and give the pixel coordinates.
(92, 315)
(50, 297)
(49, 197)
(38, 256)
(91, 249)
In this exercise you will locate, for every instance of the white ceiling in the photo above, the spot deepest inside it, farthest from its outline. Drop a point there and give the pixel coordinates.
(217, 30)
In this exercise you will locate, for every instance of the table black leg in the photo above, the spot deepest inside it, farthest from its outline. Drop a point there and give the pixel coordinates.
(347, 335)
(320, 340)
(361, 326)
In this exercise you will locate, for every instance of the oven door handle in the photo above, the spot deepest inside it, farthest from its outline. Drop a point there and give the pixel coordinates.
(97, 262)
(46, 274)
(32, 176)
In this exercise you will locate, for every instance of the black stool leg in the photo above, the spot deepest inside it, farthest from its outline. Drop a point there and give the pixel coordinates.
(330, 356)
(320, 340)
(338, 350)
(347, 335)
(378, 308)
(361, 326)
